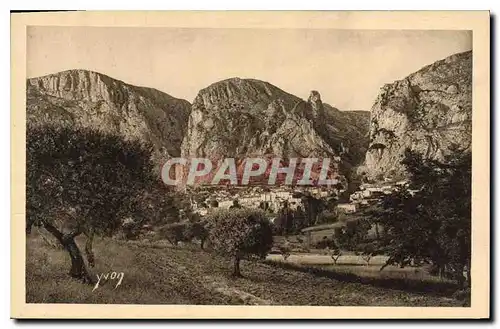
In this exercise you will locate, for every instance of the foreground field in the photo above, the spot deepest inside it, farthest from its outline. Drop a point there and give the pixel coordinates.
(161, 274)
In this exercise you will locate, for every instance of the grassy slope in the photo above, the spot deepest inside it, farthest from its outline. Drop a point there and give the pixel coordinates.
(174, 275)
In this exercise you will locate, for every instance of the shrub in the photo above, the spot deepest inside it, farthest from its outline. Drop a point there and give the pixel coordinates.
(325, 243)
(326, 217)
(368, 250)
(197, 230)
(174, 233)
(183, 232)
(131, 230)
(285, 250)
(240, 233)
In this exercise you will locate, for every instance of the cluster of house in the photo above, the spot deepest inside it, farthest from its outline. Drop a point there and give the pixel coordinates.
(271, 198)
(369, 194)
(274, 197)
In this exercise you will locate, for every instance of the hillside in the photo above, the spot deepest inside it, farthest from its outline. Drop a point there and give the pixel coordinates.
(428, 111)
(181, 275)
(238, 117)
(93, 100)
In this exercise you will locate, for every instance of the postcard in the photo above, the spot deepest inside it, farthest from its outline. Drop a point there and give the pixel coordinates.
(250, 164)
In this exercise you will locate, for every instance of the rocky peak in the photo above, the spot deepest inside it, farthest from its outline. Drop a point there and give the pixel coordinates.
(237, 94)
(241, 117)
(316, 105)
(314, 97)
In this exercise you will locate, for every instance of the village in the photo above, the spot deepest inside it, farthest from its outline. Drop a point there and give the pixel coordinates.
(336, 199)
(274, 197)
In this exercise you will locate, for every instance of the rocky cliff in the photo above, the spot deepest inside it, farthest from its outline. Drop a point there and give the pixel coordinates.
(238, 117)
(93, 100)
(427, 111)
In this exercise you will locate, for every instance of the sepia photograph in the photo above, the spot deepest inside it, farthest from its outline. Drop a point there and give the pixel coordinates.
(256, 161)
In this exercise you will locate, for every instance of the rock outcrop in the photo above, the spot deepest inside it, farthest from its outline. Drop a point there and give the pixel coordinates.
(428, 111)
(239, 117)
(96, 101)
(230, 118)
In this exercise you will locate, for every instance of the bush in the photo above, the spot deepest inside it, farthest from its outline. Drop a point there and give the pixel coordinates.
(197, 230)
(174, 233)
(131, 230)
(285, 250)
(240, 233)
(325, 243)
(326, 217)
(183, 232)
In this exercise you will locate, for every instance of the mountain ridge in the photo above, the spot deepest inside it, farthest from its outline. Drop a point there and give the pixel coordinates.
(249, 116)
(95, 100)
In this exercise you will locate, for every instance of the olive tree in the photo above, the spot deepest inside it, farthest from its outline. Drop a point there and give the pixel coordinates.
(240, 233)
(335, 255)
(83, 181)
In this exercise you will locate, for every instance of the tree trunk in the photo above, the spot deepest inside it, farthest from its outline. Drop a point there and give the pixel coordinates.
(441, 271)
(236, 268)
(78, 269)
(469, 282)
(88, 247)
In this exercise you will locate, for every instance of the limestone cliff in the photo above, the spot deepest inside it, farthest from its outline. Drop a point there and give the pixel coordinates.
(427, 111)
(238, 117)
(96, 101)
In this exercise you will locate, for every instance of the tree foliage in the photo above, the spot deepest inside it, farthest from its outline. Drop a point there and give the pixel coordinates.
(240, 233)
(236, 204)
(327, 216)
(184, 231)
(283, 224)
(352, 234)
(431, 220)
(326, 242)
(292, 221)
(100, 177)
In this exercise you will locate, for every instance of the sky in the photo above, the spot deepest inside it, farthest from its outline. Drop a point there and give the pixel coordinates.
(347, 67)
